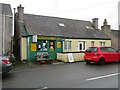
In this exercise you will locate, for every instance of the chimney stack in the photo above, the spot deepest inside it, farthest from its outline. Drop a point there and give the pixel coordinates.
(20, 13)
(105, 28)
(95, 23)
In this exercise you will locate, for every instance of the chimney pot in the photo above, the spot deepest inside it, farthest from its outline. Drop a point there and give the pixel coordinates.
(20, 13)
(105, 22)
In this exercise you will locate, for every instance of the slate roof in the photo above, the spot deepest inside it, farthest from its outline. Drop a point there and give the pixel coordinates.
(5, 9)
(49, 26)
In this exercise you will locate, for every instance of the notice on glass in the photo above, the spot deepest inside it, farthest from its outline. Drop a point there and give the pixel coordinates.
(33, 47)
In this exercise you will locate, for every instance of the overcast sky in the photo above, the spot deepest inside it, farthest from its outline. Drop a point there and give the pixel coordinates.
(73, 9)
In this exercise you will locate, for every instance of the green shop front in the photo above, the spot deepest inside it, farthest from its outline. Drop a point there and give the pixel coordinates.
(43, 44)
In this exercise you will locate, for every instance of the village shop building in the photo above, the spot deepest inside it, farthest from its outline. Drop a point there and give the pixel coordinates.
(36, 34)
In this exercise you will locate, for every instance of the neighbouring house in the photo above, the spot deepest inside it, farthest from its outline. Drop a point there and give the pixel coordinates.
(35, 34)
(5, 28)
(113, 34)
(119, 25)
(119, 15)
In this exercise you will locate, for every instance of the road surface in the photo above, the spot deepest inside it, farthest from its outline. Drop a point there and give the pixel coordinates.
(68, 75)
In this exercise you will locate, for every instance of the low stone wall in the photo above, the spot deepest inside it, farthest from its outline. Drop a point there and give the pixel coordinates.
(77, 56)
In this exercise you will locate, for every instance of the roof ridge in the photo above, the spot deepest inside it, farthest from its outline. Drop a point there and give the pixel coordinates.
(4, 3)
(57, 17)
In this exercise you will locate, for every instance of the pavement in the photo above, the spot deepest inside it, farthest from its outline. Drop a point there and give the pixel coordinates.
(30, 65)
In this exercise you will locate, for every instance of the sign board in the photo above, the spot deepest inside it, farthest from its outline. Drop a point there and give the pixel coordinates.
(70, 57)
(47, 38)
(34, 39)
(33, 47)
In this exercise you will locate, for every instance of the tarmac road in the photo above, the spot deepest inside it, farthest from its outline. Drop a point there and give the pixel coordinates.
(68, 75)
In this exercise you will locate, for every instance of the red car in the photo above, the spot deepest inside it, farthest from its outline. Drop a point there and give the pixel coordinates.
(101, 54)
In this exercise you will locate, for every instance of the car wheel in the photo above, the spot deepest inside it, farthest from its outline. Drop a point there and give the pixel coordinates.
(101, 61)
(87, 62)
(118, 61)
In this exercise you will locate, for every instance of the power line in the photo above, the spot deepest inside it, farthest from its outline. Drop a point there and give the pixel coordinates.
(88, 7)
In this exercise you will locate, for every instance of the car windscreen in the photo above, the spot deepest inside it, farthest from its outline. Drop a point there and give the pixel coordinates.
(91, 49)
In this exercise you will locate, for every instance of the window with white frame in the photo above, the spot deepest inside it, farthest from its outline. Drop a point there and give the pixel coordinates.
(102, 43)
(82, 46)
(92, 43)
(67, 45)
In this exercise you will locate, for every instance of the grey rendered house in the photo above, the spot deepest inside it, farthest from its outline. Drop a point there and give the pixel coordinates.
(5, 28)
(36, 34)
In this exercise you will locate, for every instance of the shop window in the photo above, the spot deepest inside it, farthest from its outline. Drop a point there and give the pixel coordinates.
(67, 45)
(45, 45)
(42, 45)
(52, 45)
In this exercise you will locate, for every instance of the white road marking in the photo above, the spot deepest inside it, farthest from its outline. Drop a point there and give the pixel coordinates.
(105, 76)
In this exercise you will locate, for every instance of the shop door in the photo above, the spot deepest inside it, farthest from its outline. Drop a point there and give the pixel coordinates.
(54, 47)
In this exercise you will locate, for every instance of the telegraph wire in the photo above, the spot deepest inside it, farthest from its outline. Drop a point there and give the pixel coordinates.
(77, 9)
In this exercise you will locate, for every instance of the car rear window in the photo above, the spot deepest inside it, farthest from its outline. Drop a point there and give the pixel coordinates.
(91, 49)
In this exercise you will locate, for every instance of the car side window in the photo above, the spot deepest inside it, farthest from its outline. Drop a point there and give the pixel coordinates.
(103, 49)
(108, 49)
(111, 50)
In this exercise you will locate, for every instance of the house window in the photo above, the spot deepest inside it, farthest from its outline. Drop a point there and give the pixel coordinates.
(67, 45)
(82, 46)
(102, 43)
(92, 43)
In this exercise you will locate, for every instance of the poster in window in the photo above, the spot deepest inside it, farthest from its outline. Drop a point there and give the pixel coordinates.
(51, 48)
(51, 43)
(33, 47)
(39, 46)
(58, 44)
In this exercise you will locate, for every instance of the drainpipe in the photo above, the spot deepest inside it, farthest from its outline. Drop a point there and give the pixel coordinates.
(3, 33)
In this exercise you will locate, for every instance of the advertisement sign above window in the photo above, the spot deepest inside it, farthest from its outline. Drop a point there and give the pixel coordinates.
(47, 38)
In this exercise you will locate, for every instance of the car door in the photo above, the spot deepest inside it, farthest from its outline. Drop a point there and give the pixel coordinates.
(104, 53)
(119, 55)
(113, 54)
(0, 64)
